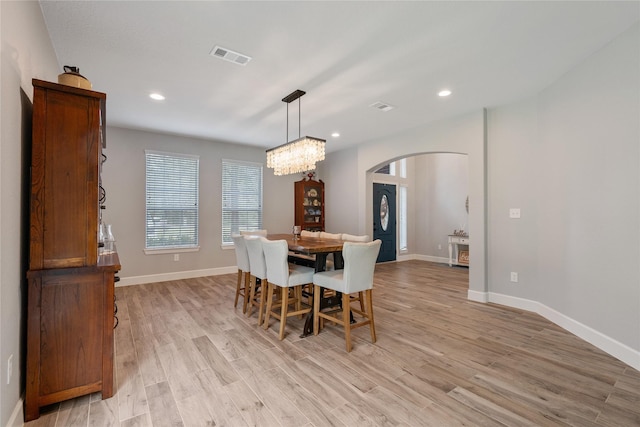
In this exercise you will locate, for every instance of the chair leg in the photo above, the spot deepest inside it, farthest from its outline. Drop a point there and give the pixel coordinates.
(297, 292)
(346, 319)
(361, 298)
(372, 326)
(252, 285)
(239, 282)
(263, 294)
(283, 310)
(247, 286)
(316, 309)
(267, 314)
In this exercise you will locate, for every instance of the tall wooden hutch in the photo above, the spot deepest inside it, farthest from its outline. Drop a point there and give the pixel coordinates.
(309, 204)
(70, 309)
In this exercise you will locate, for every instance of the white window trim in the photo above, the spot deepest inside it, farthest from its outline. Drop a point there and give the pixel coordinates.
(401, 212)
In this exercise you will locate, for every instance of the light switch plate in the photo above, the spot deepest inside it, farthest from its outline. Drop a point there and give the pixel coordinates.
(514, 213)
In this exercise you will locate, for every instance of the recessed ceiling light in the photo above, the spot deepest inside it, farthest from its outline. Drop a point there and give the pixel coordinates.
(445, 92)
(335, 134)
(156, 96)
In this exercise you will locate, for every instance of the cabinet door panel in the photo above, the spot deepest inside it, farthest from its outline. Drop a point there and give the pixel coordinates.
(66, 142)
(72, 324)
(65, 207)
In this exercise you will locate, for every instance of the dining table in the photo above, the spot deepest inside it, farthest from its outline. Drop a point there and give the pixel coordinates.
(313, 252)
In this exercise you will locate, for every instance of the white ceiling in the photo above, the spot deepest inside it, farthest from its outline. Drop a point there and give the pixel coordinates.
(345, 54)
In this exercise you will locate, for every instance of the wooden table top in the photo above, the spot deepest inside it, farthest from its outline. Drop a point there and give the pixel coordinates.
(309, 246)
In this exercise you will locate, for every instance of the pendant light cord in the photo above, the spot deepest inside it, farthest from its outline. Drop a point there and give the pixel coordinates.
(299, 114)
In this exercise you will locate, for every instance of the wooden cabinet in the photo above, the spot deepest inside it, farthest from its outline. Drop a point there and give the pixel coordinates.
(64, 176)
(309, 205)
(70, 308)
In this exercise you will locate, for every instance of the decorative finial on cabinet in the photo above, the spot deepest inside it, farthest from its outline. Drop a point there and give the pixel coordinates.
(308, 175)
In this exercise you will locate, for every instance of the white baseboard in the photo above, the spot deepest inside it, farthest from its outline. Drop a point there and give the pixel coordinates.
(177, 275)
(438, 259)
(17, 416)
(607, 344)
(477, 296)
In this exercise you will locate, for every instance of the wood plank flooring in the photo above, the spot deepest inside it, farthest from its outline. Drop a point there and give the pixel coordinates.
(186, 357)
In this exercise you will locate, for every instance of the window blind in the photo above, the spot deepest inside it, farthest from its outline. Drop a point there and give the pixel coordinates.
(171, 200)
(241, 198)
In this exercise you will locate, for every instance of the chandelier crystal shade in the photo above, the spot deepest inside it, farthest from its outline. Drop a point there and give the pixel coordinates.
(296, 156)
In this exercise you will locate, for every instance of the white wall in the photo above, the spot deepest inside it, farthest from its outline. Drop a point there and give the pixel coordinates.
(570, 159)
(339, 186)
(26, 53)
(441, 187)
(124, 180)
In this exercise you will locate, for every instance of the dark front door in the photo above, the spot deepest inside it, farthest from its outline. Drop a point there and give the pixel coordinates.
(384, 220)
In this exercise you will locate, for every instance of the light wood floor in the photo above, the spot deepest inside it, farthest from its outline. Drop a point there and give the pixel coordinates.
(185, 356)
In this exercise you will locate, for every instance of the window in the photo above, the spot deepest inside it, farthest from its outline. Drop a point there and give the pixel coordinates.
(402, 226)
(241, 198)
(388, 169)
(403, 167)
(171, 200)
(384, 169)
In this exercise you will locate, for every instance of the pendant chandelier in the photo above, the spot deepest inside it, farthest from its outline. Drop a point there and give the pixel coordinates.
(299, 155)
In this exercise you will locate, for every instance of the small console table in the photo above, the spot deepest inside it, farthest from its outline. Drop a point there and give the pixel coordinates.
(457, 241)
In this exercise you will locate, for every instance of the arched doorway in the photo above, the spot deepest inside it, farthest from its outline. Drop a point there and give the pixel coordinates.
(432, 190)
(351, 171)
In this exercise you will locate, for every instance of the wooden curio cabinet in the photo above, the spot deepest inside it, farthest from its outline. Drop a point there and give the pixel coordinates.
(70, 308)
(309, 205)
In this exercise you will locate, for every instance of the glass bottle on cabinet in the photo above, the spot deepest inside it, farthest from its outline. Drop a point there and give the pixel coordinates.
(309, 204)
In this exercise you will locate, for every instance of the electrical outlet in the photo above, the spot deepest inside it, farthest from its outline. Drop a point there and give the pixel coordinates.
(9, 369)
(514, 277)
(514, 213)
(439, 247)
(176, 257)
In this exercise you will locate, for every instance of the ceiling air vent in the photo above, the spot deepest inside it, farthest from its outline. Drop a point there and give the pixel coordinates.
(382, 106)
(229, 55)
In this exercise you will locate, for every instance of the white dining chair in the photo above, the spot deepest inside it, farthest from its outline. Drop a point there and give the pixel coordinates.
(286, 277)
(333, 236)
(258, 269)
(262, 233)
(242, 261)
(310, 234)
(357, 276)
(355, 238)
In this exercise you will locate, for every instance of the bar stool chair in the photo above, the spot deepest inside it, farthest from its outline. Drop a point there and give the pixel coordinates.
(258, 269)
(357, 276)
(356, 238)
(310, 234)
(242, 260)
(262, 233)
(287, 277)
(334, 236)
